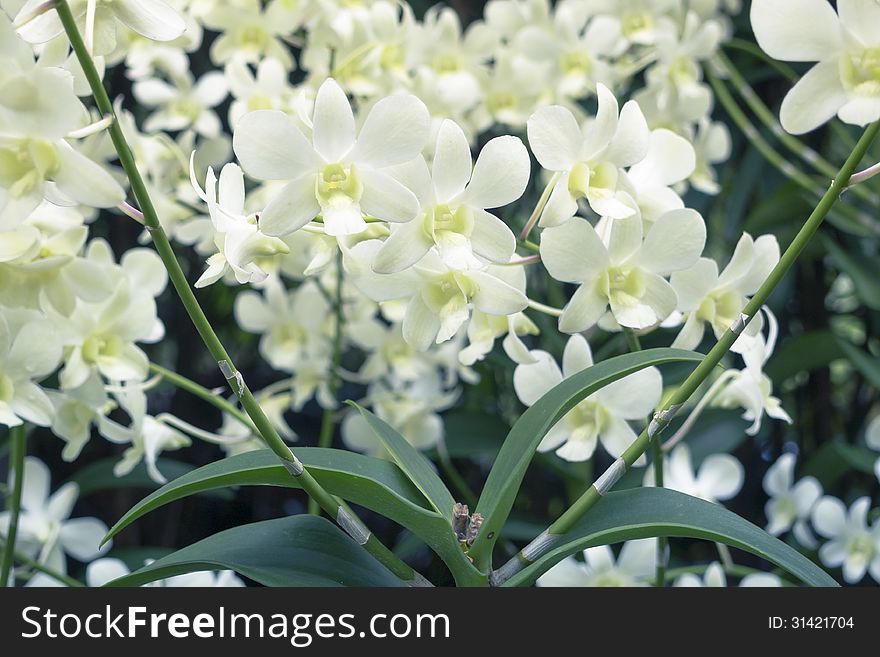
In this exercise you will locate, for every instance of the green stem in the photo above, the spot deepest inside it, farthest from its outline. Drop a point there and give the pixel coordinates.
(661, 420)
(36, 565)
(657, 464)
(768, 118)
(328, 417)
(267, 432)
(531, 246)
(17, 440)
(771, 155)
(202, 392)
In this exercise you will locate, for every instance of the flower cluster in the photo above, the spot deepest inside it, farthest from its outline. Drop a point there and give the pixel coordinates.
(365, 173)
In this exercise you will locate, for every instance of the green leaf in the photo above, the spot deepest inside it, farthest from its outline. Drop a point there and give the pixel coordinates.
(413, 463)
(803, 353)
(99, 476)
(301, 550)
(863, 270)
(864, 362)
(510, 466)
(647, 512)
(372, 483)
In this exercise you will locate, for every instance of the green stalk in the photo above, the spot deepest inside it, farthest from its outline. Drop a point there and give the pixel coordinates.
(543, 543)
(349, 522)
(657, 464)
(202, 392)
(768, 118)
(771, 155)
(328, 418)
(36, 565)
(17, 444)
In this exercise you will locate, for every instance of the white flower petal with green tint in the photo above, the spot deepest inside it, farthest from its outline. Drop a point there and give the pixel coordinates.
(554, 137)
(573, 252)
(583, 310)
(154, 19)
(333, 131)
(500, 174)
(814, 100)
(385, 198)
(84, 180)
(270, 146)
(292, 208)
(796, 30)
(452, 165)
(394, 132)
(407, 245)
(674, 242)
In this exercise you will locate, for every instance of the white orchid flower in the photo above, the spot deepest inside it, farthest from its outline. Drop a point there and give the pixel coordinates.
(718, 478)
(44, 264)
(292, 323)
(339, 174)
(29, 350)
(670, 160)
(590, 162)
(705, 296)
(624, 271)
(714, 577)
(147, 436)
(237, 236)
(579, 45)
(851, 543)
(101, 336)
(439, 298)
(453, 199)
(184, 104)
(750, 388)
(790, 503)
(601, 417)
(634, 566)
(266, 88)
(845, 43)
(250, 31)
(46, 532)
(98, 19)
(452, 63)
(411, 408)
(76, 411)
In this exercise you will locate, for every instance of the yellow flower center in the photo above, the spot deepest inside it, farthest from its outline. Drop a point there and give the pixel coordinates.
(622, 286)
(584, 181)
(633, 22)
(576, 62)
(337, 183)
(721, 309)
(448, 293)
(25, 164)
(447, 63)
(96, 346)
(860, 72)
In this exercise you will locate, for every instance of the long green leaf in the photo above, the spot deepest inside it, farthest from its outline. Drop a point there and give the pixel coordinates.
(647, 512)
(301, 550)
(413, 463)
(373, 483)
(510, 466)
